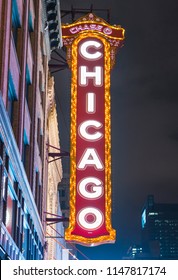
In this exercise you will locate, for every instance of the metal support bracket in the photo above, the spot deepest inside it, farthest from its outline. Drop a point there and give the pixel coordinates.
(59, 154)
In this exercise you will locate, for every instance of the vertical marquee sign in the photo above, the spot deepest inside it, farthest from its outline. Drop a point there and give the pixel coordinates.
(91, 45)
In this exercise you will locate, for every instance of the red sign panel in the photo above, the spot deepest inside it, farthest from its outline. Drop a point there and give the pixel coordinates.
(90, 56)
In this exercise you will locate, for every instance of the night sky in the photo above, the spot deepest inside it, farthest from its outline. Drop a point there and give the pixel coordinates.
(144, 99)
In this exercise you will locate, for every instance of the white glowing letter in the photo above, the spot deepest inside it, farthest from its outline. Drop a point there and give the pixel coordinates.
(96, 222)
(91, 56)
(83, 130)
(96, 74)
(91, 102)
(90, 157)
(96, 188)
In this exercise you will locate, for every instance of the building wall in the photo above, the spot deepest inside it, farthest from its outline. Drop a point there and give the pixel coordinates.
(54, 173)
(24, 55)
(64, 197)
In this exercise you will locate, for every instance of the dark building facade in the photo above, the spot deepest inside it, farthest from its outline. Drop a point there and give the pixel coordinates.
(160, 229)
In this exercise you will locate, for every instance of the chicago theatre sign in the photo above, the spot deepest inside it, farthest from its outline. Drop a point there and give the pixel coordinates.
(91, 46)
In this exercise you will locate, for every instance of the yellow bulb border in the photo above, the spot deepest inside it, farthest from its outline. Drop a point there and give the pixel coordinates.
(110, 238)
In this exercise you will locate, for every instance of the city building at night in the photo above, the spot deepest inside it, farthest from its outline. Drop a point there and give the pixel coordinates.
(27, 124)
(54, 177)
(134, 252)
(64, 199)
(160, 229)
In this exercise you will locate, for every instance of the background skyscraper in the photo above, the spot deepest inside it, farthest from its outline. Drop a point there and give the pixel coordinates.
(160, 229)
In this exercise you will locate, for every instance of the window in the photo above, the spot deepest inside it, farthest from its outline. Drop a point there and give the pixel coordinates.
(38, 194)
(37, 188)
(40, 137)
(40, 201)
(18, 216)
(15, 22)
(1, 149)
(25, 244)
(25, 152)
(4, 196)
(41, 89)
(63, 204)
(30, 22)
(11, 98)
(1, 163)
(38, 132)
(10, 105)
(27, 91)
(28, 87)
(9, 211)
(61, 193)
